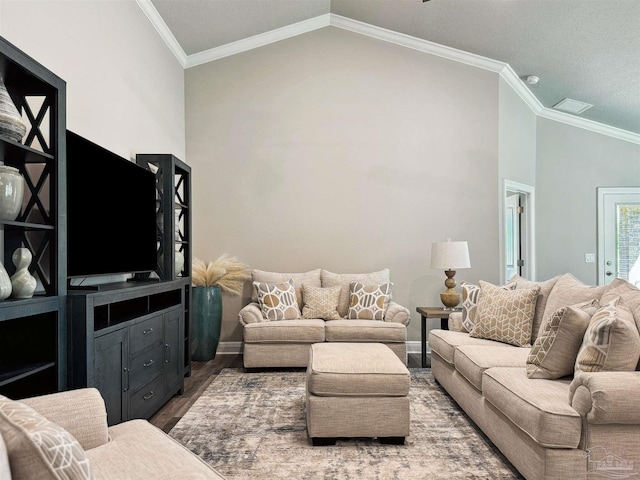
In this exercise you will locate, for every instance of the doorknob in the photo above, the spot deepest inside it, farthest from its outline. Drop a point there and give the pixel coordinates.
(608, 274)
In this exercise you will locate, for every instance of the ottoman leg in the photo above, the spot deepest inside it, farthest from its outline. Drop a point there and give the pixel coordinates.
(391, 440)
(323, 441)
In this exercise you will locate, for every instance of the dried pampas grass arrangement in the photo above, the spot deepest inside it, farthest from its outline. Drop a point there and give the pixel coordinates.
(226, 272)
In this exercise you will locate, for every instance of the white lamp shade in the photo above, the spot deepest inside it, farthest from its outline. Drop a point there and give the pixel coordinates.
(450, 255)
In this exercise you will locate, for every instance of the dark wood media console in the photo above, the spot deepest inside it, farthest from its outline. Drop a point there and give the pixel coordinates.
(128, 343)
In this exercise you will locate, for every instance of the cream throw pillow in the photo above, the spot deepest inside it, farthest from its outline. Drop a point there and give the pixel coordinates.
(554, 352)
(277, 300)
(505, 315)
(611, 342)
(38, 448)
(543, 296)
(321, 302)
(368, 302)
(629, 296)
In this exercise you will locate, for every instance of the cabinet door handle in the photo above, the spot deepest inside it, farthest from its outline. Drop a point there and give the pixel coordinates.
(147, 331)
(148, 364)
(148, 395)
(125, 379)
(168, 349)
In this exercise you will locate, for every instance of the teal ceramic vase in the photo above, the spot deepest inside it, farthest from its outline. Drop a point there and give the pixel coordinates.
(206, 323)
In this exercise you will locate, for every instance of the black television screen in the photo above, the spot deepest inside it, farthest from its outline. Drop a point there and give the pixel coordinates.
(111, 212)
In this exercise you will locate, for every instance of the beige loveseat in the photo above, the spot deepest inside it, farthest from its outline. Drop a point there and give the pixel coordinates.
(585, 425)
(37, 445)
(286, 343)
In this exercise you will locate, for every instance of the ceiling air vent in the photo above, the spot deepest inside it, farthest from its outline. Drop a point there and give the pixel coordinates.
(572, 106)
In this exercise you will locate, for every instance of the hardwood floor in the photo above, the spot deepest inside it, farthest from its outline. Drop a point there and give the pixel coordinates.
(202, 374)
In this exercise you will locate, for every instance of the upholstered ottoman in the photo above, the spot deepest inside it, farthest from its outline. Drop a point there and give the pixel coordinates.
(356, 390)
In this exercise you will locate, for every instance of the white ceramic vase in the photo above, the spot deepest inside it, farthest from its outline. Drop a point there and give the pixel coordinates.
(11, 124)
(23, 284)
(5, 283)
(179, 263)
(11, 192)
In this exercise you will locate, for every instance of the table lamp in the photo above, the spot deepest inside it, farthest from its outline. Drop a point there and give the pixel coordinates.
(450, 256)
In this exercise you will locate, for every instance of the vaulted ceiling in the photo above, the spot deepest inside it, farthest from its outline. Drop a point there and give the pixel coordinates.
(586, 50)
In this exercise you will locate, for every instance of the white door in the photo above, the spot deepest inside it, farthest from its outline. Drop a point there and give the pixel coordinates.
(512, 230)
(619, 234)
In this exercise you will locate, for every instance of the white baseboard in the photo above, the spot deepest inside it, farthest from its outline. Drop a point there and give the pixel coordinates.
(229, 348)
(235, 348)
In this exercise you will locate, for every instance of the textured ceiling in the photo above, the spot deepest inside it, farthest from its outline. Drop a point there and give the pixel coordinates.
(588, 50)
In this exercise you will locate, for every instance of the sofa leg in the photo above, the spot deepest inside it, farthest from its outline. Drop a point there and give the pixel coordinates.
(323, 441)
(391, 440)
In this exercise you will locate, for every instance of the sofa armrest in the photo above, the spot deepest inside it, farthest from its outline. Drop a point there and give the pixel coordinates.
(250, 313)
(397, 313)
(455, 321)
(81, 412)
(606, 397)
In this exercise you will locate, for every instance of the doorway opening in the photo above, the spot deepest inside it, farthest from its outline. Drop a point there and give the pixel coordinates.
(619, 234)
(517, 239)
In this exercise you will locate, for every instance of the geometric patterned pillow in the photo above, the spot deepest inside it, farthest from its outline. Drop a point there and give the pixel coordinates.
(470, 296)
(368, 302)
(611, 342)
(505, 315)
(321, 302)
(38, 448)
(277, 300)
(554, 352)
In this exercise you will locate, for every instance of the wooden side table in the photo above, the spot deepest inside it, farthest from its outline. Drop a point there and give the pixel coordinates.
(432, 312)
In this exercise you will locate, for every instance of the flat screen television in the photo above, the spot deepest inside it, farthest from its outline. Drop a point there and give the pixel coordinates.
(111, 212)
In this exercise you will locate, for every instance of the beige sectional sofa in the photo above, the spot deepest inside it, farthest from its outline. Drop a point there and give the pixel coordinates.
(582, 425)
(286, 343)
(65, 435)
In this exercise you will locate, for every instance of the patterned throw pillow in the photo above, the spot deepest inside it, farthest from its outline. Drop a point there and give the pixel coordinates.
(368, 302)
(321, 302)
(330, 279)
(611, 342)
(38, 448)
(505, 315)
(277, 300)
(470, 297)
(554, 352)
(311, 277)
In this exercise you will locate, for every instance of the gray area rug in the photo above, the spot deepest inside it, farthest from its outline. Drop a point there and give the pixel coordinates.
(252, 426)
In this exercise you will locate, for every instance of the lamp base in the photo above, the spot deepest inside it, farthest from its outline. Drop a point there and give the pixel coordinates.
(450, 299)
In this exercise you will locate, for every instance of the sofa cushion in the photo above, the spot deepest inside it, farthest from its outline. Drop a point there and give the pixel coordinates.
(277, 300)
(554, 352)
(444, 343)
(311, 277)
(38, 448)
(470, 296)
(472, 360)
(330, 279)
(539, 407)
(568, 291)
(5, 471)
(505, 315)
(285, 331)
(611, 342)
(320, 302)
(541, 301)
(368, 302)
(139, 450)
(364, 331)
(356, 369)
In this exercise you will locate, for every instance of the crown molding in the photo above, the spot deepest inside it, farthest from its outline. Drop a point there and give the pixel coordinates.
(338, 21)
(163, 30)
(590, 125)
(259, 40)
(415, 43)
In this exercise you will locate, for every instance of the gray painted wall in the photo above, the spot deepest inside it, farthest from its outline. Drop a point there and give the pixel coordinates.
(125, 89)
(334, 150)
(571, 164)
